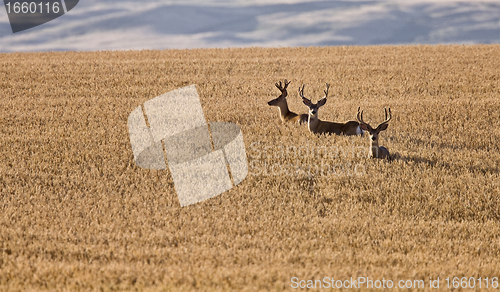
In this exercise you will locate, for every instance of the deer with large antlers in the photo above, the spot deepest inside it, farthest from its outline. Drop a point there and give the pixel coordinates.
(285, 114)
(375, 150)
(318, 126)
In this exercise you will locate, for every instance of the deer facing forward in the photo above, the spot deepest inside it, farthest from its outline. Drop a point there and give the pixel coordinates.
(285, 114)
(376, 151)
(318, 126)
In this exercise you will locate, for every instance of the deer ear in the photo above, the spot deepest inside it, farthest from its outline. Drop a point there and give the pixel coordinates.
(363, 127)
(383, 127)
(306, 101)
(322, 102)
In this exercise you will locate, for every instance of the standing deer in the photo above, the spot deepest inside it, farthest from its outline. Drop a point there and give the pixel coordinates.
(375, 150)
(318, 126)
(285, 114)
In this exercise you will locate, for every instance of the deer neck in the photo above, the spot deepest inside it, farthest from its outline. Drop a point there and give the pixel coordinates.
(284, 111)
(374, 148)
(312, 123)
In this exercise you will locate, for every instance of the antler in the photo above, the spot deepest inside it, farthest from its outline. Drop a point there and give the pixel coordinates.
(286, 83)
(326, 91)
(387, 119)
(360, 117)
(280, 85)
(301, 91)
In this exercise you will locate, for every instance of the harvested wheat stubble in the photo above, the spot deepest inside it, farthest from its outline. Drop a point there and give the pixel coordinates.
(76, 213)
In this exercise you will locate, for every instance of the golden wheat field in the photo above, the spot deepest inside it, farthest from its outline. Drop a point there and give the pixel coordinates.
(77, 213)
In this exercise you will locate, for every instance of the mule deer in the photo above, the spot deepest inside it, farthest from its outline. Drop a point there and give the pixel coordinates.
(318, 126)
(285, 114)
(375, 150)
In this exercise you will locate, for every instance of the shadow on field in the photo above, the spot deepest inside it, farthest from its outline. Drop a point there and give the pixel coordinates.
(445, 165)
(401, 138)
(417, 160)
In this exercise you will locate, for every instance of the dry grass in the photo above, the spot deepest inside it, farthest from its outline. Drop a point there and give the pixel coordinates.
(76, 213)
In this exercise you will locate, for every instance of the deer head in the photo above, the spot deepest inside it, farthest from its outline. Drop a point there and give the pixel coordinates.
(313, 107)
(282, 98)
(374, 132)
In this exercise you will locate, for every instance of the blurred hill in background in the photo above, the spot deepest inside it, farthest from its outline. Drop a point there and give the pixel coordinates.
(124, 25)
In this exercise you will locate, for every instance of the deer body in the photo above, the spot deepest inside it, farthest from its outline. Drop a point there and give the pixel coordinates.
(376, 151)
(285, 114)
(288, 116)
(318, 126)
